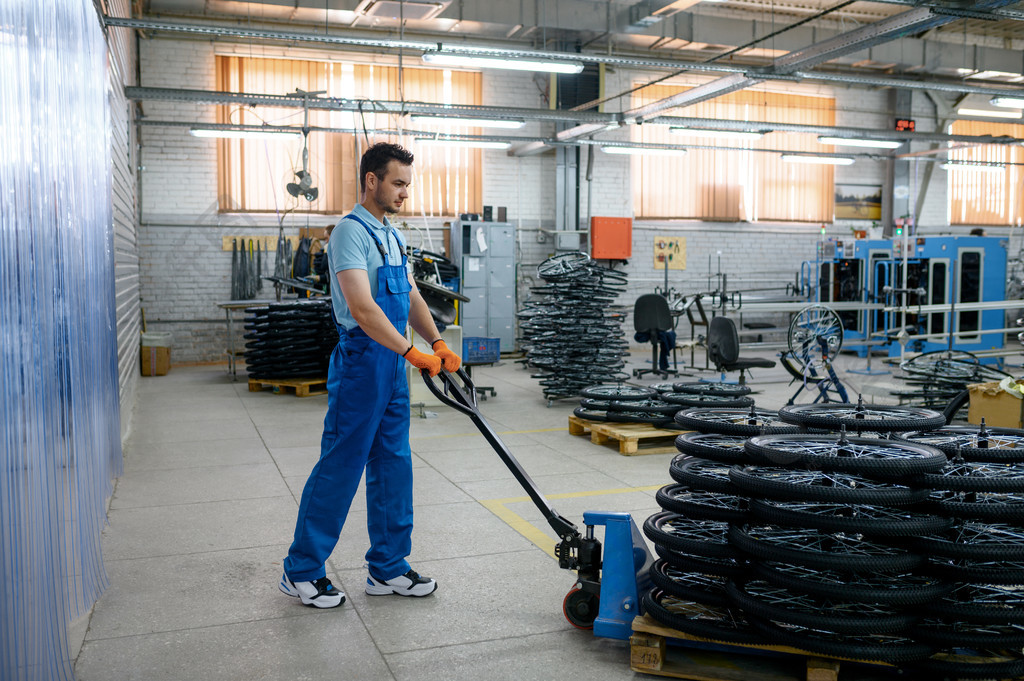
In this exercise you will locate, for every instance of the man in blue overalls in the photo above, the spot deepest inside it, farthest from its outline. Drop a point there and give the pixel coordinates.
(367, 423)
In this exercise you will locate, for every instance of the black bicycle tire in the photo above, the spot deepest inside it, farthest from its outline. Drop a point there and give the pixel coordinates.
(996, 507)
(653, 605)
(977, 571)
(732, 421)
(824, 615)
(661, 574)
(892, 559)
(702, 474)
(890, 589)
(589, 414)
(703, 445)
(850, 649)
(786, 513)
(951, 635)
(765, 481)
(653, 418)
(804, 415)
(862, 456)
(977, 476)
(709, 565)
(617, 391)
(712, 388)
(953, 440)
(974, 542)
(702, 505)
(954, 608)
(959, 401)
(689, 400)
(653, 405)
(712, 549)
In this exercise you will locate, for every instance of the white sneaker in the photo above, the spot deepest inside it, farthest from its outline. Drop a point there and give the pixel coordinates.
(409, 584)
(319, 593)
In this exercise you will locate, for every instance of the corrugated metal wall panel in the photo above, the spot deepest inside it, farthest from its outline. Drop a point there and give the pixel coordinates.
(124, 202)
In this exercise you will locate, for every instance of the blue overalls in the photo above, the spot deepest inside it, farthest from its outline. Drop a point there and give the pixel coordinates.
(366, 427)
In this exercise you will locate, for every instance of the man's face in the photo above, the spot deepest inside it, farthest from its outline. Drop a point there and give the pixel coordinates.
(392, 190)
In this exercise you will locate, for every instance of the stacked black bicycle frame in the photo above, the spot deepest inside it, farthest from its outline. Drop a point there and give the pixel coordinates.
(289, 340)
(853, 531)
(569, 327)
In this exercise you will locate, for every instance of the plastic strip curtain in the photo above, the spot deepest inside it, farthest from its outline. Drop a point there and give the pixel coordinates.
(58, 350)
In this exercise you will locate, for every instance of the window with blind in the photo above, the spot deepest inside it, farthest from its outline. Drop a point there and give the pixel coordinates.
(252, 174)
(738, 183)
(986, 195)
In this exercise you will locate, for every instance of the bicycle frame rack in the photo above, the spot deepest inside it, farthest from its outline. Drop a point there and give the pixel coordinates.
(614, 586)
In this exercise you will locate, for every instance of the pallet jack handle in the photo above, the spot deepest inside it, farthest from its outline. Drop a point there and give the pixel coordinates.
(574, 551)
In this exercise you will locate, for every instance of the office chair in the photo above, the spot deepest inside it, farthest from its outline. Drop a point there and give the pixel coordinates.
(724, 349)
(651, 315)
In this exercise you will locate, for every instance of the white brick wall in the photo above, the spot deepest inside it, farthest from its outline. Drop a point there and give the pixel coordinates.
(185, 272)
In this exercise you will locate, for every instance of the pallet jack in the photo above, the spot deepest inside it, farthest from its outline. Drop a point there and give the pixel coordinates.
(606, 595)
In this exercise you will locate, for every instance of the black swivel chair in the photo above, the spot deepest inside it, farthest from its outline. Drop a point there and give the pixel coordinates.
(651, 315)
(724, 349)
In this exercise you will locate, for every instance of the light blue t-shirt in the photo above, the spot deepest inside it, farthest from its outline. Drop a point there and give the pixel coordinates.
(351, 248)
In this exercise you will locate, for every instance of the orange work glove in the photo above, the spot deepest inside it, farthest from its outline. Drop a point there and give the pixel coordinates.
(422, 360)
(449, 359)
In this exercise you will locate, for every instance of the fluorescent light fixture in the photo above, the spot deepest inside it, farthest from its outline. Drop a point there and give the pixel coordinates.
(1010, 102)
(246, 133)
(653, 151)
(858, 142)
(717, 134)
(470, 122)
(819, 160)
(472, 144)
(480, 61)
(988, 113)
(973, 167)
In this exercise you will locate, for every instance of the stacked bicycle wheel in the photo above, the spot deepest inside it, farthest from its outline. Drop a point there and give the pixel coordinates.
(818, 541)
(572, 335)
(939, 379)
(656, 404)
(289, 340)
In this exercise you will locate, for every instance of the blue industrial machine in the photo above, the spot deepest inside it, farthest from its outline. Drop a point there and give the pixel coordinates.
(937, 270)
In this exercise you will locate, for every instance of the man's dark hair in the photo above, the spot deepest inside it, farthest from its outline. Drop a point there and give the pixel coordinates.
(376, 160)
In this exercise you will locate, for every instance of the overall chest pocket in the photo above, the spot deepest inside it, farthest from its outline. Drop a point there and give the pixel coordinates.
(398, 281)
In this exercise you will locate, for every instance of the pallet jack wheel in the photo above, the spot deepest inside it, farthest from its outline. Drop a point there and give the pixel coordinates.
(580, 608)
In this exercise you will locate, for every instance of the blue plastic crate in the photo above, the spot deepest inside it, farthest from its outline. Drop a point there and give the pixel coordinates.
(478, 350)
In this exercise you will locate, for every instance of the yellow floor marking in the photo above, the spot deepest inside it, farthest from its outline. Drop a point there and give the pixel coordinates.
(533, 533)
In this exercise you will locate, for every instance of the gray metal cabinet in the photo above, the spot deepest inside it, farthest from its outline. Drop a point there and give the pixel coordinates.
(485, 253)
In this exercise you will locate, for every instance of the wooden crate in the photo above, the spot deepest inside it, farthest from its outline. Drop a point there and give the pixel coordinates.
(629, 436)
(302, 387)
(699, 659)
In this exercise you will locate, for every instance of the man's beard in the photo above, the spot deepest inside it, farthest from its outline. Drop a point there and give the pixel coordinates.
(386, 207)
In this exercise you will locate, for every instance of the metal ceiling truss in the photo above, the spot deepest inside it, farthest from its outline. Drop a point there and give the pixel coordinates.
(611, 60)
(595, 120)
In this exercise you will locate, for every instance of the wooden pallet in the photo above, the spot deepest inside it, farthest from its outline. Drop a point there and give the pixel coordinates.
(302, 387)
(629, 436)
(699, 659)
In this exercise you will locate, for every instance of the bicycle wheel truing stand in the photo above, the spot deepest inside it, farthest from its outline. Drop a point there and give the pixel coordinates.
(609, 605)
(825, 386)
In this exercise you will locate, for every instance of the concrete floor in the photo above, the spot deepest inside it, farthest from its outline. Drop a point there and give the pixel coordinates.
(204, 513)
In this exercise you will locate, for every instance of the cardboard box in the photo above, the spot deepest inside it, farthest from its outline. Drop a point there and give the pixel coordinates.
(156, 361)
(999, 408)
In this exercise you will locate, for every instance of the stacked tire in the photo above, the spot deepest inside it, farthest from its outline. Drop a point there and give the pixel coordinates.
(289, 340)
(569, 328)
(872, 548)
(657, 404)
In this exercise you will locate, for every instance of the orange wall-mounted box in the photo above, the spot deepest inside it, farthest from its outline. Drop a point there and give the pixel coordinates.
(611, 238)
